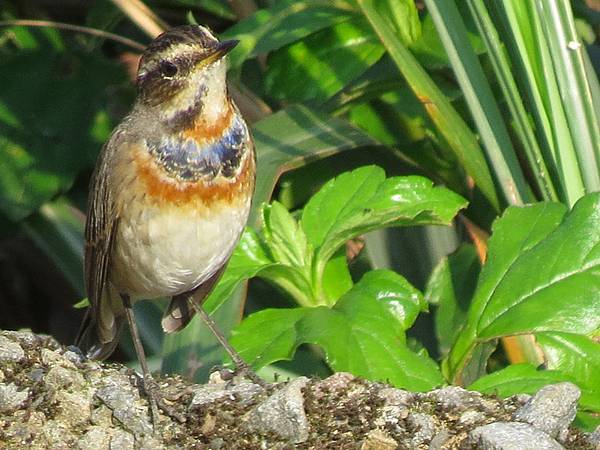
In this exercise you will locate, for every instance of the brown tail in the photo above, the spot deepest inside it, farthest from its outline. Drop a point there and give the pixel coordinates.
(87, 338)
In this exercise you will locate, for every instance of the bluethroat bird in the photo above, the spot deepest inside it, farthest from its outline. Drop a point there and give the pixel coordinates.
(170, 194)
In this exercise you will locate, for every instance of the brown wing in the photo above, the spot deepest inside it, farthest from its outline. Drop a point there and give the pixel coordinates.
(100, 328)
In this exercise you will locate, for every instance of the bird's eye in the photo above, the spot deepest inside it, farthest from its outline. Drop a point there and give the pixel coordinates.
(168, 69)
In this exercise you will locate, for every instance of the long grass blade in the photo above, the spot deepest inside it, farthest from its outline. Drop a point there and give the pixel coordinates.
(461, 139)
(567, 57)
(478, 95)
(520, 119)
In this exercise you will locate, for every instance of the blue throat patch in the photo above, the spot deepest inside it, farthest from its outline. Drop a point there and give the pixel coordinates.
(185, 159)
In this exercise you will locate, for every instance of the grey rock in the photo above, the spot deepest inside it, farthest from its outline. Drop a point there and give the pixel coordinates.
(10, 351)
(282, 413)
(209, 393)
(124, 401)
(74, 408)
(395, 407)
(58, 436)
(26, 338)
(11, 398)
(379, 440)
(440, 440)
(54, 358)
(551, 410)
(511, 436)
(122, 440)
(95, 438)
(60, 377)
(455, 398)
(424, 426)
(593, 438)
(471, 417)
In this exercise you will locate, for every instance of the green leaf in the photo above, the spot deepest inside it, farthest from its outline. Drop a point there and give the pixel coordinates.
(403, 16)
(402, 301)
(359, 335)
(429, 50)
(321, 64)
(363, 200)
(451, 287)
(567, 265)
(290, 138)
(285, 22)
(516, 379)
(541, 275)
(576, 356)
(336, 277)
(41, 94)
(285, 238)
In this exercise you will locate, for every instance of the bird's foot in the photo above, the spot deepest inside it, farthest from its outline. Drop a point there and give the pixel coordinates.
(157, 402)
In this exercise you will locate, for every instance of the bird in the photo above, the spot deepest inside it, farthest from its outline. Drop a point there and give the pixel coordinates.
(170, 194)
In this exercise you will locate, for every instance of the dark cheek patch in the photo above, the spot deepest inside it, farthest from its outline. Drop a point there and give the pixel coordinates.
(186, 160)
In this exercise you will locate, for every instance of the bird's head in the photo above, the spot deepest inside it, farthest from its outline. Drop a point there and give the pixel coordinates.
(182, 73)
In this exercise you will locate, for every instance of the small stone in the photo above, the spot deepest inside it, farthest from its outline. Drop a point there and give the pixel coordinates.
(511, 436)
(102, 415)
(379, 440)
(216, 444)
(122, 440)
(57, 435)
(210, 393)
(124, 401)
(10, 351)
(594, 438)
(395, 407)
(74, 357)
(36, 375)
(54, 358)
(471, 417)
(95, 438)
(424, 426)
(74, 408)
(25, 337)
(282, 413)
(441, 440)
(59, 377)
(552, 409)
(455, 398)
(11, 398)
(150, 443)
(332, 384)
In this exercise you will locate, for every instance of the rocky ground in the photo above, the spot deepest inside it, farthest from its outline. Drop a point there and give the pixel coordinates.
(51, 398)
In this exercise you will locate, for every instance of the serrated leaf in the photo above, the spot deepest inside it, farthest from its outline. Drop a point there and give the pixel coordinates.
(451, 288)
(566, 265)
(322, 63)
(358, 335)
(363, 200)
(285, 237)
(541, 275)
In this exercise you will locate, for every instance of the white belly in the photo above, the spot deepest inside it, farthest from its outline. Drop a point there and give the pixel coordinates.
(167, 251)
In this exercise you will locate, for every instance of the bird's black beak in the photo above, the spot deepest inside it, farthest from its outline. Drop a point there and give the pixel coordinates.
(219, 50)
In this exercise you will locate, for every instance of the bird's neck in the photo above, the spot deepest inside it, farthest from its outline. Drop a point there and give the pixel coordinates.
(204, 100)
